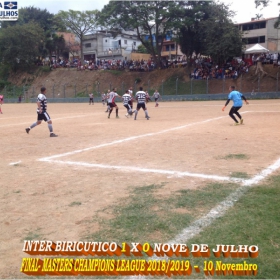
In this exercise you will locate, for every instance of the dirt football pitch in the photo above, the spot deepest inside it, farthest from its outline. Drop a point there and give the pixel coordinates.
(53, 188)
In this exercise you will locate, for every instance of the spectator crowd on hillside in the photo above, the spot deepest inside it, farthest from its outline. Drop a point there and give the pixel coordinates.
(203, 67)
(139, 65)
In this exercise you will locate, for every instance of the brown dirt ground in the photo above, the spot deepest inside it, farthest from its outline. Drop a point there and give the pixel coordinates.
(36, 197)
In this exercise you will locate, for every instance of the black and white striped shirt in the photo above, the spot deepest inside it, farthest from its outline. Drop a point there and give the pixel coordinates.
(141, 96)
(126, 97)
(43, 101)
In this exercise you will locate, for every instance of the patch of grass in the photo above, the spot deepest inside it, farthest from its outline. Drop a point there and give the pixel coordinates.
(33, 235)
(115, 72)
(148, 216)
(235, 156)
(242, 175)
(17, 191)
(254, 220)
(75, 203)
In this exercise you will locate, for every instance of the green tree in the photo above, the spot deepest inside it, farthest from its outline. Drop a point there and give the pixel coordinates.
(43, 17)
(19, 45)
(80, 23)
(263, 3)
(56, 44)
(212, 33)
(47, 21)
(151, 20)
(142, 49)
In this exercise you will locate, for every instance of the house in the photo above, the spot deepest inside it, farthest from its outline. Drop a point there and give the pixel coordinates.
(102, 45)
(72, 43)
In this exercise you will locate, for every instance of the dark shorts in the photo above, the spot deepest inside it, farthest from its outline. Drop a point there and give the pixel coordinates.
(91, 99)
(141, 105)
(43, 116)
(233, 110)
(112, 105)
(127, 106)
(130, 103)
(156, 99)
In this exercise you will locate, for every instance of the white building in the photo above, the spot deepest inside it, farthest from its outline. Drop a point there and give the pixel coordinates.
(261, 32)
(104, 46)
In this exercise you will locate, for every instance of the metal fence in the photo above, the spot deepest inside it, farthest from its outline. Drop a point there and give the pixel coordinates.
(173, 86)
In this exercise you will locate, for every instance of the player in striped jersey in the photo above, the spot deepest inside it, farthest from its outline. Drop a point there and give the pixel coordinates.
(126, 103)
(156, 95)
(111, 101)
(42, 113)
(141, 97)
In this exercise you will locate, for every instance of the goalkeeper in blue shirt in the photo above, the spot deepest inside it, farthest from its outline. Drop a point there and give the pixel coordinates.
(236, 97)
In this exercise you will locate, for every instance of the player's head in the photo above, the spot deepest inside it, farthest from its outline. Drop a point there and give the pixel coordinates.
(232, 88)
(140, 88)
(43, 89)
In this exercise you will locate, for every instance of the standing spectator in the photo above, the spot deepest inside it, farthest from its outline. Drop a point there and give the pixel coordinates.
(103, 98)
(91, 99)
(236, 97)
(42, 113)
(1, 102)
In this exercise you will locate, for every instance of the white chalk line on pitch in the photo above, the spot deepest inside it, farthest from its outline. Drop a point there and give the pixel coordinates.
(218, 211)
(53, 119)
(197, 226)
(129, 139)
(146, 170)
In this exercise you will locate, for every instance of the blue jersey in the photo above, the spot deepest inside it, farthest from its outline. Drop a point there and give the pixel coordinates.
(236, 97)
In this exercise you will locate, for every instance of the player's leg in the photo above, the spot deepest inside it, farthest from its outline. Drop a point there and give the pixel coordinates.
(108, 107)
(231, 114)
(127, 109)
(117, 111)
(47, 119)
(237, 114)
(110, 110)
(40, 117)
(136, 111)
(146, 112)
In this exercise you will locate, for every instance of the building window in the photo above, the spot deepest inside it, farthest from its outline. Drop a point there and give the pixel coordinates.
(134, 43)
(254, 40)
(254, 25)
(125, 42)
(87, 45)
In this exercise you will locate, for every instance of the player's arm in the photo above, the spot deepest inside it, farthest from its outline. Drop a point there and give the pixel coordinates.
(226, 104)
(244, 98)
(39, 107)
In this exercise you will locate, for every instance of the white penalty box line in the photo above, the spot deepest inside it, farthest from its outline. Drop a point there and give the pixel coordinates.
(54, 158)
